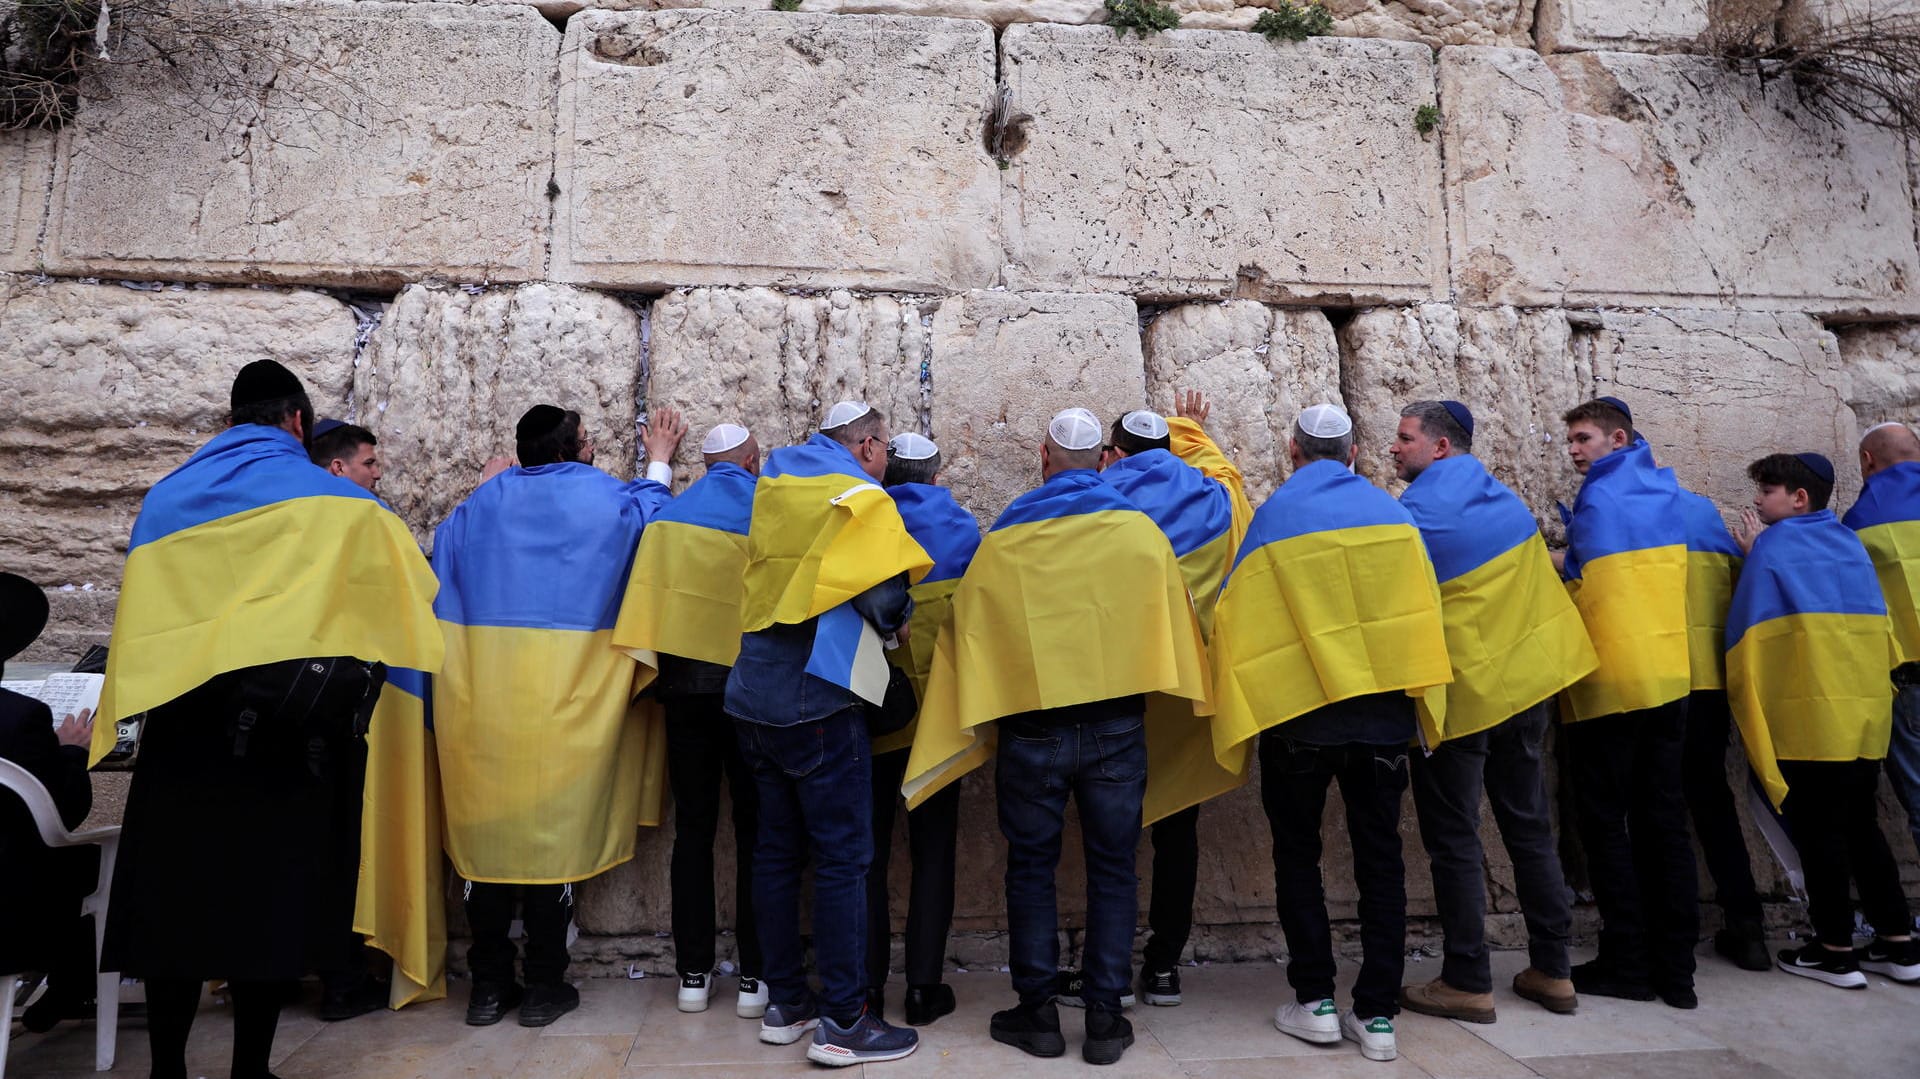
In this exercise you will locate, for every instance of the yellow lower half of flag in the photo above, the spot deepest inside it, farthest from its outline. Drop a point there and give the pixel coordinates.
(1635, 607)
(401, 904)
(1811, 687)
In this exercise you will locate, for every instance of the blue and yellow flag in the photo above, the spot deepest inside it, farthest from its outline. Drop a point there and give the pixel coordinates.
(1074, 596)
(683, 596)
(248, 554)
(1626, 569)
(822, 533)
(1514, 639)
(1713, 564)
(950, 535)
(547, 763)
(401, 906)
(1194, 510)
(1887, 517)
(1332, 597)
(1808, 650)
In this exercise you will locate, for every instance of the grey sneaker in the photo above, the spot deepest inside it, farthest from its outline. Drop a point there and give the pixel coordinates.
(784, 1024)
(868, 1041)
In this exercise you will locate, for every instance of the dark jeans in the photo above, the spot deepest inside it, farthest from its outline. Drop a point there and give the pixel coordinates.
(1833, 814)
(702, 750)
(1102, 764)
(815, 799)
(547, 910)
(1903, 749)
(1294, 778)
(1176, 873)
(1703, 773)
(1632, 815)
(1505, 762)
(933, 839)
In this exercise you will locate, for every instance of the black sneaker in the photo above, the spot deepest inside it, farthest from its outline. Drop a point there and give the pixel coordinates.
(490, 1002)
(925, 1003)
(1678, 996)
(545, 1003)
(368, 996)
(1745, 945)
(1108, 1035)
(1838, 969)
(1070, 991)
(1033, 1029)
(1162, 989)
(1598, 978)
(1897, 959)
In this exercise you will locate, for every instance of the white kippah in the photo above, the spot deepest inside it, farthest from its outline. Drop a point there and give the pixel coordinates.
(1868, 433)
(912, 447)
(1145, 423)
(1074, 429)
(723, 437)
(1325, 421)
(845, 413)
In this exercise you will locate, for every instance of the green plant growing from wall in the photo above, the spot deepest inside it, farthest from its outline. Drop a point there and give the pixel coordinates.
(1425, 119)
(1294, 22)
(786, 5)
(1143, 17)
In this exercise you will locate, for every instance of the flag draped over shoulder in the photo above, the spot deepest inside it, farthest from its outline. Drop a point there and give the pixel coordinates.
(1626, 569)
(401, 904)
(248, 554)
(1514, 639)
(1713, 564)
(1332, 597)
(1887, 517)
(950, 535)
(1808, 650)
(547, 763)
(1074, 596)
(1193, 509)
(683, 596)
(1190, 443)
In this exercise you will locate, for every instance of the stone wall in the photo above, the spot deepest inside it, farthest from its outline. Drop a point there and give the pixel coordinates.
(971, 212)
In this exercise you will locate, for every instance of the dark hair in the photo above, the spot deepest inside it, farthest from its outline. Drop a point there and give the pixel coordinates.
(900, 470)
(274, 412)
(339, 444)
(1127, 442)
(558, 446)
(1602, 415)
(1436, 422)
(1786, 470)
(855, 431)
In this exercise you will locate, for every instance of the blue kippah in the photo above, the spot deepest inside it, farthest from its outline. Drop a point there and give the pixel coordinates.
(1461, 415)
(1821, 467)
(1619, 404)
(327, 426)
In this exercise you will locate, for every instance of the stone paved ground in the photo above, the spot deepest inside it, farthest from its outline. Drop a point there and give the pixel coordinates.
(1749, 1026)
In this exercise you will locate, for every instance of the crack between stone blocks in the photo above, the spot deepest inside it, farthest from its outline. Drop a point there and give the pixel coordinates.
(553, 193)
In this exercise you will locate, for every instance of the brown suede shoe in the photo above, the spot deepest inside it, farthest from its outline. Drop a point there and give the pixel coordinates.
(1554, 994)
(1438, 998)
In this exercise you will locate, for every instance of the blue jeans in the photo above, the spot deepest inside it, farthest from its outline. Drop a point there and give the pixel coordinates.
(813, 780)
(1903, 755)
(1103, 765)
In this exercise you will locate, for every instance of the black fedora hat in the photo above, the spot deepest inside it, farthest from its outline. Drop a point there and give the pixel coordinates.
(23, 614)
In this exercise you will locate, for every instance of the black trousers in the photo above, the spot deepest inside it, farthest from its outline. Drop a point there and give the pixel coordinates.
(1834, 817)
(933, 838)
(343, 967)
(547, 910)
(1176, 873)
(701, 750)
(1632, 816)
(1703, 773)
(1293, 788)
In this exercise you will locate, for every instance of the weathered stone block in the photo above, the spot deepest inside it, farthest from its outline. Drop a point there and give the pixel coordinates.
(1003, 362)
(1258, 365)
(1513, 368)
(26, 161)
(105, 389)
(1646, 25)
(1883, 365)
(715, 147)
(334, 157)
(1195, 163)
(776, 362)
(77, 619)
(449, 372)
(1621, 179)
(1431, 22)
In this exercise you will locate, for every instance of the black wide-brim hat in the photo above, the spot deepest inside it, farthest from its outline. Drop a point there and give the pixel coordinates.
(23, 614)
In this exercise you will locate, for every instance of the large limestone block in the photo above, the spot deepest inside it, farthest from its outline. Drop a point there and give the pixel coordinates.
(364, 144)
(1431, 22)
(1196, 163)
(1513, 368)
(449, 372)
(1643, 25)
(105, 389)
(1258, 365)
(776, 362)
(767, 148)
(998, 12)
(1622, 179)
(1712, 391)
(78, 617)
(26, 161)
(1883, 365)
(1003, 362)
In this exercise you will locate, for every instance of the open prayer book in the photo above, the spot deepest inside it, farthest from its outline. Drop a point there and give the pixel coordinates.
(64, 694)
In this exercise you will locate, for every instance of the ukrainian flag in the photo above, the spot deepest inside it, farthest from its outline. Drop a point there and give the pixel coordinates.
(1195, 511)
(1626, 569)
(1514, 639)
(248, 554)
(1074, 596)
(548, 764)
(1332, 597)
(950, 535)
(1808, 650)
(822, 533)
(1713, 564)
(401, 906)
(1887, 517)
(1191, 444)
(683, 597)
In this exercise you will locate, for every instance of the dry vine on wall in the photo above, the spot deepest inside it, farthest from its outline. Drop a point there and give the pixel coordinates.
(1853, 63)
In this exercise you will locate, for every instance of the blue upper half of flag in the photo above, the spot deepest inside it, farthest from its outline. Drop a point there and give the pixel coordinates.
(1891, 495)
(1192, 508)
(722, 499)
(1323, 496)
(936, 522)
(817, 456)
(1706, 529)
(1466, 517)
(1626, 504)
(1810, 564)
(1065, 494)
(242, 468)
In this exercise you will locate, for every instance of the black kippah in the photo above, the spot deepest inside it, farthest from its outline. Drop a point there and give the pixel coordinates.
(539, 421)
(1461, 415)
(1818, 464)
(264, 380)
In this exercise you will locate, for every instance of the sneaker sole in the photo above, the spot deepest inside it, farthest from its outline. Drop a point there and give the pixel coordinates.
(744, 1010)
(688, 1005)
(836, 1056)
(542, 1019)
(1127, 1000)
(1038, 1045)
(1854, 980)
(1160, 1000)
(787, 1035)
(1370, 1052)
(1556, 1005)
(1309, 1034)
(1106, 1050)
(1465, 1015)
(485, 1020)
(1905, 975)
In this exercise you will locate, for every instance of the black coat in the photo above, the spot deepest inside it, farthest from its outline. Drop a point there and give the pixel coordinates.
(43, 886)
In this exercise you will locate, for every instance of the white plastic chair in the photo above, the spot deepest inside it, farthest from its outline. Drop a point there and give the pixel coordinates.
(46, 817)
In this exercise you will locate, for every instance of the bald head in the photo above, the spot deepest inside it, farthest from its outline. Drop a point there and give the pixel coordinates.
(1056, 458)
(746, 455)
(1887, 444)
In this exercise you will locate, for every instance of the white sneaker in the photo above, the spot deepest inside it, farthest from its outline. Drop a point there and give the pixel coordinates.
(1374, 1035)
(753, 999)
(1317, 1023)
(694, 991)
